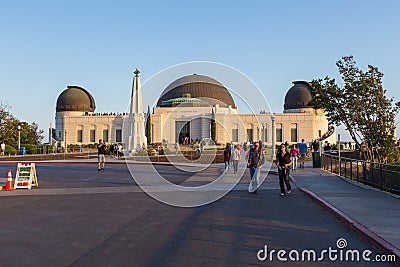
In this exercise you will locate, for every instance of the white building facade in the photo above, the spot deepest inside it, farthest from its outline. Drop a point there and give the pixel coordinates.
(179, 114)
(185, 110)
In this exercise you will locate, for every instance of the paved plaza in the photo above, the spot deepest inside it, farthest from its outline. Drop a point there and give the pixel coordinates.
(81, 217)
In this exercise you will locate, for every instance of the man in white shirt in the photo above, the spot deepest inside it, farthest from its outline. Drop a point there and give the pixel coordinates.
(3, 148)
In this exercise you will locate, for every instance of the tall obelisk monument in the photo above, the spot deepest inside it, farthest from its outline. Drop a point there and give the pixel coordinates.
(137, 138)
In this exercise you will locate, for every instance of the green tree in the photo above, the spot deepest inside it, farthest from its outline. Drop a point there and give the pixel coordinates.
(148, 126)
(361, 105)
(8, 126)
(30, 133)
(213, 126)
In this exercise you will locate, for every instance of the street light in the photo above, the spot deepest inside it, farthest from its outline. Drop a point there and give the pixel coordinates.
(65, 142)
(263, 133)
(273, 136)
(19, 137)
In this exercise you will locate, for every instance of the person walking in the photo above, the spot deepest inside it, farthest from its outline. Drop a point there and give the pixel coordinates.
(315, 145)
(303, 153)
(119, 152)
(227, 158)
(283, 162)
(101, 155)
(294, 152)
(3, 148)
(255, 162)
(236, 158)
(111, 150)
(176, 148)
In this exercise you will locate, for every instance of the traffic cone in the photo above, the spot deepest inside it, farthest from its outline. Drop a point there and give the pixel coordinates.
(9, 185)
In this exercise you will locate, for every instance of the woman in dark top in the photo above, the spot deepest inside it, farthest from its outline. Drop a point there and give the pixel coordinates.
(283, 162)
(227, 157)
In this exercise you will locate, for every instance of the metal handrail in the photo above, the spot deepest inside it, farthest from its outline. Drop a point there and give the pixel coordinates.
(379, 175)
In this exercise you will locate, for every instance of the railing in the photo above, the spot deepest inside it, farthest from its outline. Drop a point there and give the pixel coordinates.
(383, 176)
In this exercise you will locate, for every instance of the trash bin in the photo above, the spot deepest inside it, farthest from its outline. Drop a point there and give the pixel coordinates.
(22, 151)
(316, 160)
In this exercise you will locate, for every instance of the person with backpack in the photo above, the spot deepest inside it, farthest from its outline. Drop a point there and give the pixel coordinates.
(255, 162)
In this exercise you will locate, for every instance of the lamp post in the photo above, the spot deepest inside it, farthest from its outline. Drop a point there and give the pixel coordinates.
(263, 133)
(340, 161)
(273, 136)
(19, 137)
(65, 141)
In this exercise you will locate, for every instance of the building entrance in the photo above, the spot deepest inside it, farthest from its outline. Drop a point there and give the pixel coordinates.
(182, 132)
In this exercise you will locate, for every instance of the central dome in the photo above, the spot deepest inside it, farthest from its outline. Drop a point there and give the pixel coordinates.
(198, 86)
(75, 98)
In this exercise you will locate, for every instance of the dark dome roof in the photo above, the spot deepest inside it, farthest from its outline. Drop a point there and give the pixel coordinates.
(298, 96)
(198, 86)
(75, 98)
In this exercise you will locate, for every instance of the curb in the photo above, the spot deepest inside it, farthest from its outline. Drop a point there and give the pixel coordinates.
(38, 162)
(367, 234)
(122, 162)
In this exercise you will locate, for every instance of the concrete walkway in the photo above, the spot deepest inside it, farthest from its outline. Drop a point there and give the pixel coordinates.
(371, 212)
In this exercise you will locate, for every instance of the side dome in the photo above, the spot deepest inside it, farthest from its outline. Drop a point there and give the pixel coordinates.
(198, 86)
(75, 98)
(298, 96)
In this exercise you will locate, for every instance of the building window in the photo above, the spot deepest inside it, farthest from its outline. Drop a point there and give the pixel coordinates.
(250, 136)
(118, 135)
(105, 135)
(293, 132)
(79, 136)
(92, 136)
(279, 135)
(59, 134)
(235, 135)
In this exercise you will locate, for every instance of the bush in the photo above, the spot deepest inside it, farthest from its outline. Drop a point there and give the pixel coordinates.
(10, 150)
(47, 149)
(29, 148)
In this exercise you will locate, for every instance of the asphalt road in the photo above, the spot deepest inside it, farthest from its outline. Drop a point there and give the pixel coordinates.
(129, 228)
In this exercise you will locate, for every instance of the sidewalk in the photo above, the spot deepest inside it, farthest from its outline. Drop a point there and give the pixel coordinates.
(371, 212)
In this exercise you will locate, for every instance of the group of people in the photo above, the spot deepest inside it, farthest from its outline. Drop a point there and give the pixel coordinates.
(298, 154)
(114, 151)
(286, 159)
(232, 157)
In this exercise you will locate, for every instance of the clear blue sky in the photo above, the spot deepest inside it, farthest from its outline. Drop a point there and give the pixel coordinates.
(47, 45)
